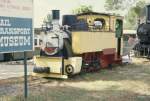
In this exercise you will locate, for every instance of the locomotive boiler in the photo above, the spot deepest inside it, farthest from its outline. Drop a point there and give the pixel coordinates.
(143, 33)
(85, 42)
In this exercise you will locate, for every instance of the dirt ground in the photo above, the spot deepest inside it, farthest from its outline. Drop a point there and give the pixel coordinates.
(130, 82)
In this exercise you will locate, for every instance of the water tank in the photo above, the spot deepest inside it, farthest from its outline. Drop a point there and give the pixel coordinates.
(69, 20)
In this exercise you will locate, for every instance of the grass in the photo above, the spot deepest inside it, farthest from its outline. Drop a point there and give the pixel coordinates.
(122, 83)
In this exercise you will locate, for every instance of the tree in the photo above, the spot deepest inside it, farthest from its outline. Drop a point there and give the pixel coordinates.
(130, 20)
(47, 19)
(134, 15)
(135, 10)
(83, 9)
(118, 4)
(139, 9)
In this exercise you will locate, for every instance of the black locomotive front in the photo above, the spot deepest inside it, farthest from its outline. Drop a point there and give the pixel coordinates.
(143, 33)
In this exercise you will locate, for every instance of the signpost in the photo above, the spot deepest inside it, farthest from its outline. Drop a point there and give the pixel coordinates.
(119, 29)
(16, 28)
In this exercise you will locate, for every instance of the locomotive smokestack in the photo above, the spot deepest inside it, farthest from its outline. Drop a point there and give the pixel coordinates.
(55, 19)
(148, 14)
(55, 14)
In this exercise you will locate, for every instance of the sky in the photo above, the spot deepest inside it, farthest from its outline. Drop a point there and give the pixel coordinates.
(44, 7)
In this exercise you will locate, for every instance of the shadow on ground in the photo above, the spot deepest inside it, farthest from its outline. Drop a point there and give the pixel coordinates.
(76, 94)
(121, 83)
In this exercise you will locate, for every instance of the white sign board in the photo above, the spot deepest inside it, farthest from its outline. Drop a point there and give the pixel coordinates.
(16, 27)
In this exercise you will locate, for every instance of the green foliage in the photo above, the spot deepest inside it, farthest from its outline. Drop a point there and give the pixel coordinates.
(139, 9)
(134, 14)
(47, 19)
(135, 9)
(83, 9)
(130, 20)
(113, 4)
(118, 4)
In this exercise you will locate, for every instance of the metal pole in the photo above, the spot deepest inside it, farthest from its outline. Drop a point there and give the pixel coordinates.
(118, 47)
(25, 77)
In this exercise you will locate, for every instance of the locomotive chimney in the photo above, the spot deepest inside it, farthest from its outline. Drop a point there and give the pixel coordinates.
(55, 19)
(55, 14)
(148, 14)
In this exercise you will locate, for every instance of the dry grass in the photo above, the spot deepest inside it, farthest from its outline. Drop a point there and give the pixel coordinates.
(122, 83)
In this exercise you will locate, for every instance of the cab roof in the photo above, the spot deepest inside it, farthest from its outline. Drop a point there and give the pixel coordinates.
(97, 13)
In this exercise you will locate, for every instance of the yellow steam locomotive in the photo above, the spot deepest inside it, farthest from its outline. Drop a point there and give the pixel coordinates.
(85, 42)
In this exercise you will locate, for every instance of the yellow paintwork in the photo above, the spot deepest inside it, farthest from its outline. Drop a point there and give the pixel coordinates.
(110, 20)
(43, 61)
(83, 42)
(51, 75)
(55, 64)
(76, 62)
(88, 41)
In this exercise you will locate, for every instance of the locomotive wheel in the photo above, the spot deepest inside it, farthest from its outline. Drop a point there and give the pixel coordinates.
(69, 69)
(96, 64)
(85, 65)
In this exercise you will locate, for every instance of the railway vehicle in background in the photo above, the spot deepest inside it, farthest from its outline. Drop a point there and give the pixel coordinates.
(84, 43)
(16, 56)
(143, 33)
